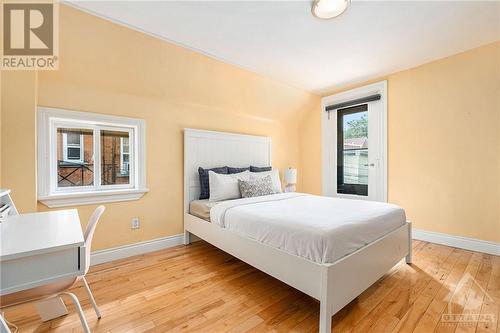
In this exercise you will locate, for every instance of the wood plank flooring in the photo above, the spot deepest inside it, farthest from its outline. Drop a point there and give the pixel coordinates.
(198, 288)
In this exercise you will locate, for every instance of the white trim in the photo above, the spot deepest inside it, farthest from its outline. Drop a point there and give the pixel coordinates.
(53, 196)
(328, 137)
(91, 197)
(120, 252)
(458, 241)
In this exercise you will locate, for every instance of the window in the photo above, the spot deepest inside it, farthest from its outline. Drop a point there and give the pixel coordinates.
(352, 150)
(73, 146)
(74, 157)
(124, 157)
(115, 157)
(86, 158)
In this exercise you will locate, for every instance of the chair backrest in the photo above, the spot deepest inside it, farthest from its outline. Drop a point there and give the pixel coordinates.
(89, 234)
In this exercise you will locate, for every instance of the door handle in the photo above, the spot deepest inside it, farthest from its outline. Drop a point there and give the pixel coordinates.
(370, 165)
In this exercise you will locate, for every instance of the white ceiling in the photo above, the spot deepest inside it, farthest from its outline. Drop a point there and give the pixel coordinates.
(282, 40)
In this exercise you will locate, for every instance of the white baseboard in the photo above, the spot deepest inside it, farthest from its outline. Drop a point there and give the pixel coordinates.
(457, 241)
(115, 253)
(102, 256)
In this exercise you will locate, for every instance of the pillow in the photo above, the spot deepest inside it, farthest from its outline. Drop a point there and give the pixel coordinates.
(237, 170)
(260, 169)
(225, 187)
(275, 177)
(204, 183)
(257, 187)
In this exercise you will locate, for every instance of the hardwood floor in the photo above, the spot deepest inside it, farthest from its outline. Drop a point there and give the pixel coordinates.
(199, 288)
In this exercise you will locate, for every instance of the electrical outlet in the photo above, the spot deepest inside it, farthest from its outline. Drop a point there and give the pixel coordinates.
(135, 223)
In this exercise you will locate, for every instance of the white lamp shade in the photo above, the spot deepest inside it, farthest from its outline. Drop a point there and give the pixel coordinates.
(291, 176)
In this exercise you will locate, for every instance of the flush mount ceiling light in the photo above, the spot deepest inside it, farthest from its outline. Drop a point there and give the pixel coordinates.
(328, 9)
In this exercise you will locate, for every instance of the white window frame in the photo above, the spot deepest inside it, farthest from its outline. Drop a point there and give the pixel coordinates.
(49, 119)
(122, 154)
(79, 146)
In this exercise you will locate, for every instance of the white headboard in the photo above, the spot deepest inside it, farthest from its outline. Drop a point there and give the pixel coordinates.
(208, 149)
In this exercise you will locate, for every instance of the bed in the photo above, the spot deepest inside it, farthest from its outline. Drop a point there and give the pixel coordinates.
(331, 249)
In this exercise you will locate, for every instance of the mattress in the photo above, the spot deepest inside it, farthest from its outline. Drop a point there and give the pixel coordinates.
(320, 229)
(201, 208)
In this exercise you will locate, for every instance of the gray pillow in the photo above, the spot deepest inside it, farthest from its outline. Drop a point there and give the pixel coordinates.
(204, 183)
(232, 170)
(257, 187)
(260, 169)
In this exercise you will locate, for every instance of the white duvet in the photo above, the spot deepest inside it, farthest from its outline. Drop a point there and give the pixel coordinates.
(321, 229)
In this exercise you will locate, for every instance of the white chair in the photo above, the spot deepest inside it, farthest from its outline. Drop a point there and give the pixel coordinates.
(59, 288)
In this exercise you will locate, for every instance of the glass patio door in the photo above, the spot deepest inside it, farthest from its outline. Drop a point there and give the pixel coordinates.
(358, 152)
(354, 143)
(352, 150)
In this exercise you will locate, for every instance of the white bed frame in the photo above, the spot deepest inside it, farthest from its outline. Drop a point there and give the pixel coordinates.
(335, 284)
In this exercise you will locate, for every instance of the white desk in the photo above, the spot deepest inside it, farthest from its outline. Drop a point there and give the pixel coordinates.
(40, 248)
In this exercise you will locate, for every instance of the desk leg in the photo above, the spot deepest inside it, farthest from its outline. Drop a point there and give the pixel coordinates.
(51, 308)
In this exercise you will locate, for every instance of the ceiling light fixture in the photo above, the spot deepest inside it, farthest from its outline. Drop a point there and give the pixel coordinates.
(328, 9)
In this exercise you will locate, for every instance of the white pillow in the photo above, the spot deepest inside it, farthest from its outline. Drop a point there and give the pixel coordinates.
(275, 176)
(225, 186)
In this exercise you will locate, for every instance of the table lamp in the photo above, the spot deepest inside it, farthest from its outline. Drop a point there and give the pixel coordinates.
(290, 179)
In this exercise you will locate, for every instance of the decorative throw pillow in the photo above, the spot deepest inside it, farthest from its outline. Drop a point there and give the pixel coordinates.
(232, 170)
(225, 187)
(204, 183)
(260, 169)
(256, 187)
(275, 177)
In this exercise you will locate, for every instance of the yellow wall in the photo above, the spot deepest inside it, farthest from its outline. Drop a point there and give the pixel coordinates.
(443, 144)
(0, 129)
(444, 126)
(18, 130)
(106, 68)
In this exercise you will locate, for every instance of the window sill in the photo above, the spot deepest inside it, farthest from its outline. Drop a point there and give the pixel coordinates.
(91, 198)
